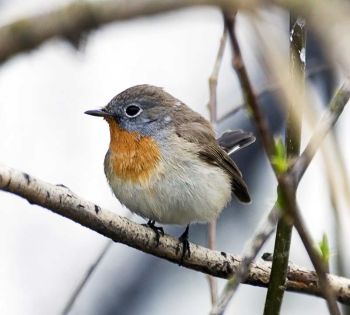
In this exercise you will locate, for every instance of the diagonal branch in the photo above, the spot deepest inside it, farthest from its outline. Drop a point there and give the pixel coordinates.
(268, 224)
(250, 251)
(249, 96)
(328, 120)
(85, 279)
(219, 264)
(284, 180)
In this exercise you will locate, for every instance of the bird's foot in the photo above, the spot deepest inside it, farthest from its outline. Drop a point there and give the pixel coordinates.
(158, 230)
(183, 239)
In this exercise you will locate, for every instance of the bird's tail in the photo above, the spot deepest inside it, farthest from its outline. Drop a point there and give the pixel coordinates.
(234, 140)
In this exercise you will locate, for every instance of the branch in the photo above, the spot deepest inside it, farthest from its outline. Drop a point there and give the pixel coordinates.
(293, 211)
(327, 122)
(73, 21)
(85, 279)
(219, 264)
(248, 93)
(283, 238)
(268, 226)
(213, 79)
(286, 191)
(252, 248)
(213, 82)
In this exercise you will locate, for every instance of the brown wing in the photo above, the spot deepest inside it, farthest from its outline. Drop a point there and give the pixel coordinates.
(194, 128)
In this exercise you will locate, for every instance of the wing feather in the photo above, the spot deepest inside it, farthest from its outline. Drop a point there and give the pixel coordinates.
(195, 129)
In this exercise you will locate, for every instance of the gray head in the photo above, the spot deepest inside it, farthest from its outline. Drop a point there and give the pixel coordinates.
(144, 108)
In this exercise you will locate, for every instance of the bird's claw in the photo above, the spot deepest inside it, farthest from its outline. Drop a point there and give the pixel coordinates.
(158, 230)
(183, 239)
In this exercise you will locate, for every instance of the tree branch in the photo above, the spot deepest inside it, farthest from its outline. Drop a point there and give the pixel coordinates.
(213, 82)
(219, 264)
(251, 101)
(85, 279)
(263, 232)
(286, 192)
(283, 238)
(328, 120)
(73, 21)
(268, 224)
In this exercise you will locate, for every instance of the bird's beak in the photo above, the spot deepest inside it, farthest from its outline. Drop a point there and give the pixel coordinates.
(98, 112)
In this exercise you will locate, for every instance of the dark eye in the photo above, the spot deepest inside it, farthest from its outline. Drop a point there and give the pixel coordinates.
(133, 110)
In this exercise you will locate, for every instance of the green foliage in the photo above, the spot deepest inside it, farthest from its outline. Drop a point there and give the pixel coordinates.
(323, 248)
(279, 158)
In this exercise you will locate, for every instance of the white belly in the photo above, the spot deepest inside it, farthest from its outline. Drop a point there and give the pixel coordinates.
(183, 190)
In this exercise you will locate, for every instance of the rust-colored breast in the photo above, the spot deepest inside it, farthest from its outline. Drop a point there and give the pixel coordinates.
(133, 157)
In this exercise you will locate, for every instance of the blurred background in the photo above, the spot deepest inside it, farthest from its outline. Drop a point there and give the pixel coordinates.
(43, 94)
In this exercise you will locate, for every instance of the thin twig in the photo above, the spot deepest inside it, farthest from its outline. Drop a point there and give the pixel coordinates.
(250, 251)
(315, 259)
(249, 96)
(261, 125)
(328, 120)
(213, 79)
(64, 202)
(254, 108)
(213, 82)
(283, 238)
(286, 191)
(337, 183)
(83, 281)
(273, 88)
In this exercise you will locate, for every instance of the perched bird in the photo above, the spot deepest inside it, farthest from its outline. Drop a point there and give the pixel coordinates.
(164, 162)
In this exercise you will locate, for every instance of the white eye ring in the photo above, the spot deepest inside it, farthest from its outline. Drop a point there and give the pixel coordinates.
(132, 110)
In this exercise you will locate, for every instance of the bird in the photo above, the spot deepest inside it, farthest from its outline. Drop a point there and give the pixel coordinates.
(164, 162)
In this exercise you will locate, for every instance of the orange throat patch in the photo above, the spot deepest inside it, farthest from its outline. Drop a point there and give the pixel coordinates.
(133, 157)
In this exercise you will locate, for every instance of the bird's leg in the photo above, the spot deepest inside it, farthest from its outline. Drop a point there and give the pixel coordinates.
(156, 229)
(185, 244)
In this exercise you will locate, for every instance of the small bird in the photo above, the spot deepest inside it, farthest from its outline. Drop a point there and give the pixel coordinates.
(164, 162)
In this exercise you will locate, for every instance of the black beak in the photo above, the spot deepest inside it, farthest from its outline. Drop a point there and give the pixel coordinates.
(98, 112)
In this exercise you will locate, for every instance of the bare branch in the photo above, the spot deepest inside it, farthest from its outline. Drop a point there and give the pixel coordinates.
(283, 238)
(268, 226)
(328, 120)
(213, 81)
(316, 259)
(85, 279)
(287, 191)
(249, 96)
(219, 264)
(76, 19)
(252, 248)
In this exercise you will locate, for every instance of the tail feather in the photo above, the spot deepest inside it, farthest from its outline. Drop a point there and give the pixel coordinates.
(240, 190)
(234, 140)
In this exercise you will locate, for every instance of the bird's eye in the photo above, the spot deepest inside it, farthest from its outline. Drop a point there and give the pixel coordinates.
(133, 110)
